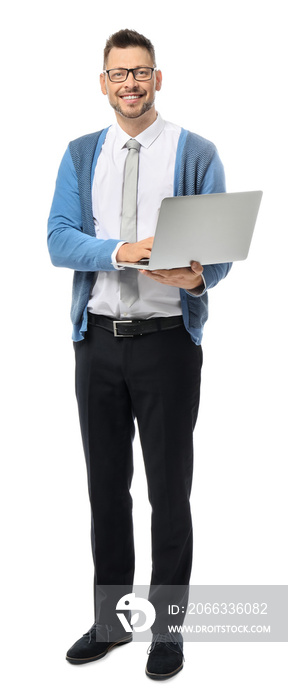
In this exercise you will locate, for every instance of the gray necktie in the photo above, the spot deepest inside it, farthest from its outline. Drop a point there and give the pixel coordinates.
(129, 292)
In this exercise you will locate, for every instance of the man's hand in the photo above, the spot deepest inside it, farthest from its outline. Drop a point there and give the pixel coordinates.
(132, 252)
(183, 277)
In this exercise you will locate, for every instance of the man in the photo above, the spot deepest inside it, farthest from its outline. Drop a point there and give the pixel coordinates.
(137, 339)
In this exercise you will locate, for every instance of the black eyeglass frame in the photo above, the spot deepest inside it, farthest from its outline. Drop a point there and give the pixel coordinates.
(130, 70)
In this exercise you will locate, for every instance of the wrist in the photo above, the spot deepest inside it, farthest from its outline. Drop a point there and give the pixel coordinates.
(200, 289)
(197, 282)
(120, 257)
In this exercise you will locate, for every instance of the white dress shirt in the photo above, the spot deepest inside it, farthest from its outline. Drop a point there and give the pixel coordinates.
(155, 181)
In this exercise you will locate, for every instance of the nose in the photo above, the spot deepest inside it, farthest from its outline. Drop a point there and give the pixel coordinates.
(130, 81)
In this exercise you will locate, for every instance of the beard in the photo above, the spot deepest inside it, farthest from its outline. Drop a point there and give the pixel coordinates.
(145, 108)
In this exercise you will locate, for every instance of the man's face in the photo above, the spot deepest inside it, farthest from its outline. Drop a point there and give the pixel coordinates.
(130, 99)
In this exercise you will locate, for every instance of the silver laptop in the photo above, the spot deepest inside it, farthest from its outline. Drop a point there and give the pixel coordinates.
(207, 228)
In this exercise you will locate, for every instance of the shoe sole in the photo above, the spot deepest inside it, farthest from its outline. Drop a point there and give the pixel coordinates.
(99, 656)
(163, 676)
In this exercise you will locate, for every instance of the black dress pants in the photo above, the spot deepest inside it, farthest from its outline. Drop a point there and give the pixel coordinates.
(155, 379)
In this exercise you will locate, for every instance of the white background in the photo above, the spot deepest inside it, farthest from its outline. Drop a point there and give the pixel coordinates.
(224, 77)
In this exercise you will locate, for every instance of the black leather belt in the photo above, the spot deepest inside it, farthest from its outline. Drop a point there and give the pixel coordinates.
(135, 326)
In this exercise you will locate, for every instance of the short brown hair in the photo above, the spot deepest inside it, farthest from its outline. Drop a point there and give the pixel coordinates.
(125, 38)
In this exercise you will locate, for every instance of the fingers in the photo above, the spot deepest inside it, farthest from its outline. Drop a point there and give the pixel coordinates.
(183, 277)
(148, 242)
(196, 267)
(132, 252)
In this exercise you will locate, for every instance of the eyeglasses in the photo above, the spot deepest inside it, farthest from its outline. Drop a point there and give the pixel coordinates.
(119, 75)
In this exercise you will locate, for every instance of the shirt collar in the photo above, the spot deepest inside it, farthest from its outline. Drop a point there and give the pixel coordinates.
(146, 138)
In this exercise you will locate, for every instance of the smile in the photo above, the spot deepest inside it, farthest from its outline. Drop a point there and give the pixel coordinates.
(129, 98)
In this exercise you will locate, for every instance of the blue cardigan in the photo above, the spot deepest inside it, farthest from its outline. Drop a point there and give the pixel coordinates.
(71, 234)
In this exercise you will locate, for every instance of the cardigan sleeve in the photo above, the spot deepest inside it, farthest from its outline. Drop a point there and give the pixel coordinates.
(213, 181)
(68, 245)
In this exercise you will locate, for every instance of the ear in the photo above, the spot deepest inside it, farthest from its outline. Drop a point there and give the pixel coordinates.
(158, 75)
(103, 83)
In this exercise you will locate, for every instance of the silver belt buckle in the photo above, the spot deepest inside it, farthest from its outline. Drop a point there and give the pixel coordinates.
(119, 335)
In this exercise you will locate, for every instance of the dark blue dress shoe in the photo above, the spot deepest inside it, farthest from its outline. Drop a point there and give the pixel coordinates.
(96, 643)
(165, 657)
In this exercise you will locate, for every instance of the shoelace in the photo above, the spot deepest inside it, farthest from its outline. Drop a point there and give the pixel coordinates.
(98, 629)
(167, 639)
